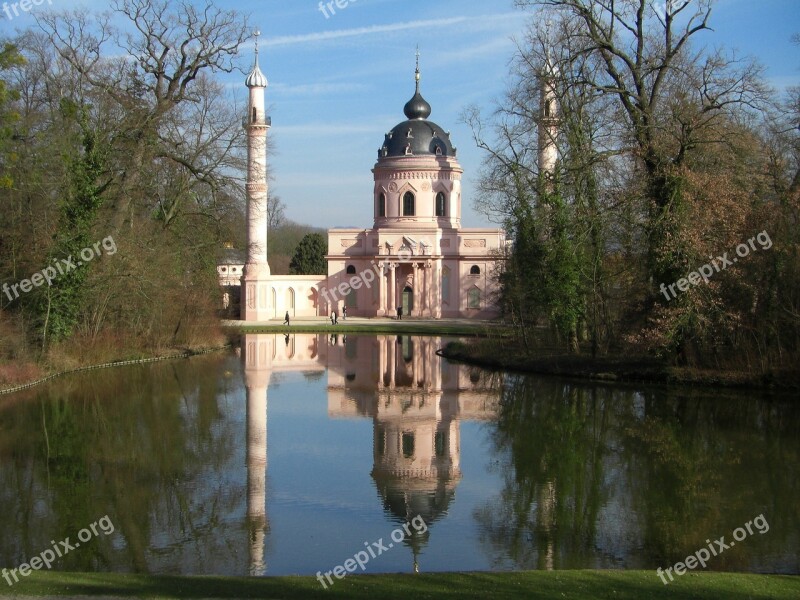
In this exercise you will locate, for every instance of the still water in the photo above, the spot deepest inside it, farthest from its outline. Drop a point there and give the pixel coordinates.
(293, 454)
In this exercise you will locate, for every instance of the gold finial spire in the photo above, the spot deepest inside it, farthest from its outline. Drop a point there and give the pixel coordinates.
(257, 34)
(416, 73)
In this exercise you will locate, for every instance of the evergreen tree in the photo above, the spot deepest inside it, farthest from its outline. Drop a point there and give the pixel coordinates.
(309, 257)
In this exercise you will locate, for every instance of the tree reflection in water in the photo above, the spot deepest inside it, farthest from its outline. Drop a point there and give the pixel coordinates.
(599, 476)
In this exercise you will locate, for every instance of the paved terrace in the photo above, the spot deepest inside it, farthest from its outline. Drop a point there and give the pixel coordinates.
(379, 324)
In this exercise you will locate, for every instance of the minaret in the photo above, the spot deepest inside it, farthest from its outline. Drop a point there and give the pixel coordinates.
(548, 121)
(255, 280)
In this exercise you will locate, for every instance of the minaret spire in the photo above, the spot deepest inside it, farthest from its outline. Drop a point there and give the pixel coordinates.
(256, 78)
(417, 75)
(417, 107)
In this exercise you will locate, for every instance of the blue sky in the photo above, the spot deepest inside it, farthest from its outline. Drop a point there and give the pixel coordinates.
(337, 84)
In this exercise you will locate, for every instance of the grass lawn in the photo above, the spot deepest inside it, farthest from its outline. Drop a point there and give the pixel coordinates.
(570, 585)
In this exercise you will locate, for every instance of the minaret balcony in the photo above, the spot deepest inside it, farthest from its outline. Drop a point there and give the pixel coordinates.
(258, 122)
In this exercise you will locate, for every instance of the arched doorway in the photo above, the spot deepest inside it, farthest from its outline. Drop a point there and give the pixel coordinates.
(408, 300)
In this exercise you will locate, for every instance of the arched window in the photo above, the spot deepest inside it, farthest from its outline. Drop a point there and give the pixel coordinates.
(474, 298)
(382, 205)
(408, 204)
(440, 204)
(475, 270)
(351, 269)
(290, 299)
(547, 108)
(255, 115)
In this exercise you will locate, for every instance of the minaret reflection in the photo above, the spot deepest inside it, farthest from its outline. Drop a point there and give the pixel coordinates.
(262, 354)
(416, 401)
(257, 352)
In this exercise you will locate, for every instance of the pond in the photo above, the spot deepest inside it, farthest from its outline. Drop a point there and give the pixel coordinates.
(297, 454)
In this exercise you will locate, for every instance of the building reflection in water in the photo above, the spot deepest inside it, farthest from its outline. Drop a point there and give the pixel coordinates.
(416, 401)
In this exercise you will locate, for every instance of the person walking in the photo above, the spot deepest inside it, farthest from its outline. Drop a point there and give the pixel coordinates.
(344, 313)
(399, 313)
(286, 318)
(335, 316)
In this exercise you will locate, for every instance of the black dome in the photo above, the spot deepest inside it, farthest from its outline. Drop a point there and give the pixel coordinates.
(417, 107)
(417, 137)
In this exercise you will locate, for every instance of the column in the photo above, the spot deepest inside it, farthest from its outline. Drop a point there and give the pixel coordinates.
(391, 306)
(416, 364)
(437, 289)
(392, 361)
(427, 278)
(381, 360)
(417, 296)
(382, 291)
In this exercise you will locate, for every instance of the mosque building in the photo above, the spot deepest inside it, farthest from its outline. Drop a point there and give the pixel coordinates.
(416, 256)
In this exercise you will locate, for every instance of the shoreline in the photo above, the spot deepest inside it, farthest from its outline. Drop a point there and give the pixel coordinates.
(189, 353)
(619, 370)
(606, 369)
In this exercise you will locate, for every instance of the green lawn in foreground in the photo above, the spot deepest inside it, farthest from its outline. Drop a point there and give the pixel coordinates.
(568, 585)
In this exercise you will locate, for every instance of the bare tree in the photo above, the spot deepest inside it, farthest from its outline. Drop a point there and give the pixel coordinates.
(169, 47)
(276, 212)
(670, 94)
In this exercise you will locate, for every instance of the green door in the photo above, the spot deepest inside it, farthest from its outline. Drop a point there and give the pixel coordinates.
(408, 301)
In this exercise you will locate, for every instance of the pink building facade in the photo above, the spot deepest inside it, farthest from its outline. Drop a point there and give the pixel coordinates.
(416, 255)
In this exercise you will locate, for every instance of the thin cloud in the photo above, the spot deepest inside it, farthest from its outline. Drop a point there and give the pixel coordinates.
(314, 89)
(336, 129)
(345, 33)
